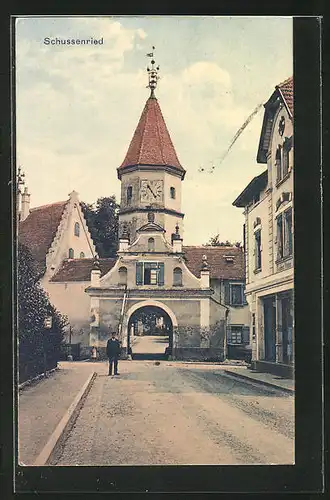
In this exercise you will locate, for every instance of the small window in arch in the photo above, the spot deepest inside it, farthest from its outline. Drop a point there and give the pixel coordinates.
(82, 255)
(151, 245)
(129, 194)
(71, 253)
(122, 275)
(177, 276)
(172, 192)
(76, 229)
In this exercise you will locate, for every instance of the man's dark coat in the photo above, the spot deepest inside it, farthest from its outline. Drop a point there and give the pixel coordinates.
(113, 348)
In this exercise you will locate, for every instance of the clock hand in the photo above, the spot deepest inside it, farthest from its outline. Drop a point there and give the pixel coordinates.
(152, 191)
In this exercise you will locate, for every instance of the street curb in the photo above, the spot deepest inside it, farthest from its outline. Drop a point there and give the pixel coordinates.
(68, 419)
(259, 382)
(41, 376)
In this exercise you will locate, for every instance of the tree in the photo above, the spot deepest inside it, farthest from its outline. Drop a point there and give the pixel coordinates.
(214, 241)
(33, 307)
(102, 221)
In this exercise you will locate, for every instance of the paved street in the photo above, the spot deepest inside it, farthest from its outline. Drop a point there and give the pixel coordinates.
(179, 413)
(150, 344)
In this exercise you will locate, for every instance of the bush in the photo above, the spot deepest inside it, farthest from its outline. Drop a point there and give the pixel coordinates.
(33, 307)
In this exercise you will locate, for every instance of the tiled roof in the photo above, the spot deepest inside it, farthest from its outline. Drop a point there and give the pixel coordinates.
(80, 269)
(151, 143)
(286, 89)
(220, 268)
(38, 230)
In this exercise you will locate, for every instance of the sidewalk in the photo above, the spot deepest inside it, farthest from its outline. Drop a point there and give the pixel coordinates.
(267, 379)
(41, 406)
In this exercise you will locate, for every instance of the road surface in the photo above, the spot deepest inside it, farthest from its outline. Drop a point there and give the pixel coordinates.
(173, 413)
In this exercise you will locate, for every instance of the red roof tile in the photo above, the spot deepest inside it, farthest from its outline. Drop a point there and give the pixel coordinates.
(219, 266)
(38, 230)
(286, 89)
(151, 143)
(80, 269)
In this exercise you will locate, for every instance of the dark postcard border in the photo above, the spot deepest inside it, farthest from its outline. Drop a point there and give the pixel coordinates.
(305, 476)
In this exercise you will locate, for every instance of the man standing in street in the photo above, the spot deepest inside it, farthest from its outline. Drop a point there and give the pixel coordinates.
(113, 352)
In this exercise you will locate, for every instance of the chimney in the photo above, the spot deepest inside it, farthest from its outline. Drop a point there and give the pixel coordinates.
(124, 239)
(96, 273)
(205, 273)
(25, 204)
(177, 240)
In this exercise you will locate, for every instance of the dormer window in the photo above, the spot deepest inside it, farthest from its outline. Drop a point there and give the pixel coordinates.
(71, 253)
(129, 194)
(172, 192)
(76, 229)
(151, 245)
(82, 255)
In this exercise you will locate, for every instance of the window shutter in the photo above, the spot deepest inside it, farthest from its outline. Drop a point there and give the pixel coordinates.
(246, 335)
(139, 273)
(227, 293)
(161, 273)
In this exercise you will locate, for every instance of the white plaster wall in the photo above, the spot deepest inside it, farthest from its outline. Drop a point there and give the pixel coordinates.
(259, 210)
(83, 242)
(189, 280)
(71, 300)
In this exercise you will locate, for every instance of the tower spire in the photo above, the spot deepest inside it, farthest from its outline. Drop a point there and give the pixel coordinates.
(152, 73)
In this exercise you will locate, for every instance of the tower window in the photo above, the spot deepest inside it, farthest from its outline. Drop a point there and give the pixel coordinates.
(129, 194)
(177, 276)
(76, 229)
(151, 245)
(172, 192)
(71, 253)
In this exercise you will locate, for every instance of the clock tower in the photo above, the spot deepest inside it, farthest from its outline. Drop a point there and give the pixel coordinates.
(151, 173)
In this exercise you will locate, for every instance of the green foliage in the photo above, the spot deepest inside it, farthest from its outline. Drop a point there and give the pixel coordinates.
(33, 308)
(102, 221)
(214, 241)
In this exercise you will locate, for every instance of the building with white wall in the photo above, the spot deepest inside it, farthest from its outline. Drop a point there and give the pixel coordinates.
(268, 203)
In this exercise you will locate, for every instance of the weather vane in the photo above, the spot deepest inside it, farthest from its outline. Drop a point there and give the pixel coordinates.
(152, 73)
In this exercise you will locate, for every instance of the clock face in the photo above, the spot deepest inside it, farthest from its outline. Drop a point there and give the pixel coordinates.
(151, 191)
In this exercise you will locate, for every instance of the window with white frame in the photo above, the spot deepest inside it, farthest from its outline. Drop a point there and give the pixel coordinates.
(284, 234)
(235, 335)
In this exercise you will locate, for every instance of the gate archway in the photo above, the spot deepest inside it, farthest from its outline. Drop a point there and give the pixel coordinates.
(150, 329)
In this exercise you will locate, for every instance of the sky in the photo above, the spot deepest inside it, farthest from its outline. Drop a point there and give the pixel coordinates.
(77, 106)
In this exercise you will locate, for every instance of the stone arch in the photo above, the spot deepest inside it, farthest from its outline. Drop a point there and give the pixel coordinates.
(154, 303)
(146, 303)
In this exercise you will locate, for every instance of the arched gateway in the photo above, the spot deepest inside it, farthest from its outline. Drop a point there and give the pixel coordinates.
(150, 325)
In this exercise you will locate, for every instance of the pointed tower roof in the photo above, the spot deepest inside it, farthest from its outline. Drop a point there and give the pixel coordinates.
(151, 143)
